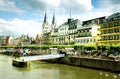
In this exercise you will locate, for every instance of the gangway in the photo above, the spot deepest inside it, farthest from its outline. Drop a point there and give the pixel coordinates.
(41, 57)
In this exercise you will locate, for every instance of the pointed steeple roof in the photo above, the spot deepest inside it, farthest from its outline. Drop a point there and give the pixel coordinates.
(45, 18)
(53, 20)
(70, 12)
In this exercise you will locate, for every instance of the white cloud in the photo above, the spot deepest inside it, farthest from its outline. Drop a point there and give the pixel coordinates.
(10, 6)
(75, 5)
(18, 27)
(93, 14)
(86, 3)
(54, 3)
(106, 8)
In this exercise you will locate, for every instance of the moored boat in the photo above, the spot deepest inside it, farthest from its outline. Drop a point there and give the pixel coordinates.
(19, 63)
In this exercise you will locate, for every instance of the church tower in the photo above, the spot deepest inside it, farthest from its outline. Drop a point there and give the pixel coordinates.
(45, 26)
(46, 31)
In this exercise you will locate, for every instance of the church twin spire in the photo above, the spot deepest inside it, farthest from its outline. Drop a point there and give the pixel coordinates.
(46, 21)
(46, 25)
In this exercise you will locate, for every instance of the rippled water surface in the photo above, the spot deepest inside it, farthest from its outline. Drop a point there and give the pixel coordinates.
(44, 70)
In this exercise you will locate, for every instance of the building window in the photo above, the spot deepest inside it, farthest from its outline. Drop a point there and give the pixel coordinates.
(94, 39)
(82, 41)
(110, 24)
(111, 37)
(90, 39)
(116, 30)
(104, 26)
(111, 31)
(116, 24)
(87, 40)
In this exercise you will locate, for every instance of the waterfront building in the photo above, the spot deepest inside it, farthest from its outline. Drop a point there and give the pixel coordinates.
(25, 40)
(9, 40)
(65, 33)
(98, 31)
(88, 32)
(38, 39)
(3, 41)
(110, 30)
(6, 40)
(14, 42)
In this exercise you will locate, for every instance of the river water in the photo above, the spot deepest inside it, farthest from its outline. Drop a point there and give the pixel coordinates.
(44, 70)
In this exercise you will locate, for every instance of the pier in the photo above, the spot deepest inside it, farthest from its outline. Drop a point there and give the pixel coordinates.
(25, 61)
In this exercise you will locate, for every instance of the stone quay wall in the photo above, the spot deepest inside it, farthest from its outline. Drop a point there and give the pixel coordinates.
(95, 63)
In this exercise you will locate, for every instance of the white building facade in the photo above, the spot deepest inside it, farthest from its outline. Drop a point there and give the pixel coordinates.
(65, 33)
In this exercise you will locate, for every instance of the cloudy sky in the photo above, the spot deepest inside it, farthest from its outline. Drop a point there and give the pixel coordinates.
(19, 17)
